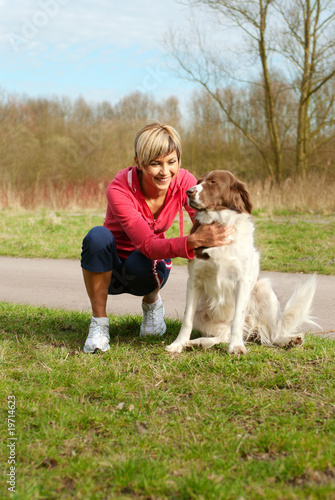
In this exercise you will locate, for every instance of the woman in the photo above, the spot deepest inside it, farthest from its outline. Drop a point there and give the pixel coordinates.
(129, 253)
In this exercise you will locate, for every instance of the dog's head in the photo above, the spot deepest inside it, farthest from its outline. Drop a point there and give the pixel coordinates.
(219, 190)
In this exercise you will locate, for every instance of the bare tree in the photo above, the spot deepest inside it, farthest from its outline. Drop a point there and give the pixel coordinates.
(298, 33)
(308, 45)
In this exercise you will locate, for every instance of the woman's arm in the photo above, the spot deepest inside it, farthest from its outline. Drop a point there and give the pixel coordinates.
(127, 214)
(130, 220)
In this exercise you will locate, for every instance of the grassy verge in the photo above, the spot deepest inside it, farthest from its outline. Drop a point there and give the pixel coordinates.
(288, 242)
(296, 243)
(136, 422)
(44, 233)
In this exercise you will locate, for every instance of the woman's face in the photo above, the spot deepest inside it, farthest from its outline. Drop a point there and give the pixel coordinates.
(157, 176)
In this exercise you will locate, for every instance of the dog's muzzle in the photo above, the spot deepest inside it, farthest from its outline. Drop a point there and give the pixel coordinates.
(191, 194)
(193, 198)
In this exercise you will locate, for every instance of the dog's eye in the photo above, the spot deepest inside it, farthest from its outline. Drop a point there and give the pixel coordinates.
(212, 181)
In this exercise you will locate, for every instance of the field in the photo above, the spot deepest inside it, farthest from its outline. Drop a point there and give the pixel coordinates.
(139, 423)
(288, 241)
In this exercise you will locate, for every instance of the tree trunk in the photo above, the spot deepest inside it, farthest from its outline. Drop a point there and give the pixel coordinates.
(303, 129)
(269, 101)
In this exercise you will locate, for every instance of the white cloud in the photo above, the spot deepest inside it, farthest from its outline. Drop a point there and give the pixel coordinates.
(64, 23)
(106, 47)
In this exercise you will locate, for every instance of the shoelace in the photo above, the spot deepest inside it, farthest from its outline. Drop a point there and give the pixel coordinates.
(151, 317)
(99, 331)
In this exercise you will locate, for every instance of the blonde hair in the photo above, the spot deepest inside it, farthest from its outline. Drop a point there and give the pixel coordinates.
(155, 140)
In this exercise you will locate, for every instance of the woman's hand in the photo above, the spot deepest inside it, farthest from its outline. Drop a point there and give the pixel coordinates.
(210, 235)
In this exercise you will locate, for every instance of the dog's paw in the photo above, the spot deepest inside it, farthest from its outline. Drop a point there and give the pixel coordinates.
(289, 342)
(237, 349)
(293, 341)
(174, 347)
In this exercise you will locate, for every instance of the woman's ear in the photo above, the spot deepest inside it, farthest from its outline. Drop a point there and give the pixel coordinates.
(136, 163)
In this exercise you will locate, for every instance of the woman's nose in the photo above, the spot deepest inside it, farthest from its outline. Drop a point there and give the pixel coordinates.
(165, 167)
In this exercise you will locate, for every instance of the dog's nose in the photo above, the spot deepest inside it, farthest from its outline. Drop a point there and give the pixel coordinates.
(191, 192)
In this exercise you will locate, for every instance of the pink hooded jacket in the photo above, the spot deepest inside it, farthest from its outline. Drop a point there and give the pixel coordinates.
(130, 220)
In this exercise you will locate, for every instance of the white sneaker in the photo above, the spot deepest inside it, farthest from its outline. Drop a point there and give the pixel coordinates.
(98, 336)
(153, 318)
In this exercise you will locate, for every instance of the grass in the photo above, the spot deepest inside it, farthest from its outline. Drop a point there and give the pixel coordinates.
(138, 423)
(296, 243)
(288, 242)
(45, 234)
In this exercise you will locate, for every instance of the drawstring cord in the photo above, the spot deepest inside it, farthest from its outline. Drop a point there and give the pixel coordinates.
(181, 213)
(181, 222)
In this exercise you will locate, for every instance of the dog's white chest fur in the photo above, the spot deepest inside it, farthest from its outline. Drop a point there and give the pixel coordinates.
(229, 261)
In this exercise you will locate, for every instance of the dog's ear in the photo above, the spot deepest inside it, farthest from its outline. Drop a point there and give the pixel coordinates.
(241, 201)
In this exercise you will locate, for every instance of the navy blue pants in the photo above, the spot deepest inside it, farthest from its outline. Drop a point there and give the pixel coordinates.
(137, 275)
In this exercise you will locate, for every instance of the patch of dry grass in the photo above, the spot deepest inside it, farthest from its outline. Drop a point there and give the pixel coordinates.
(314, 193)
(81, 196)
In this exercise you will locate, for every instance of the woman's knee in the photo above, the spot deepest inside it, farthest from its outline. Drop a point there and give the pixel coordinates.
(99, 253)
(97, 239)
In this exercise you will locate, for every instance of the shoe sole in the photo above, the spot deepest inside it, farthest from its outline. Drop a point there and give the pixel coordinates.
(88, 351)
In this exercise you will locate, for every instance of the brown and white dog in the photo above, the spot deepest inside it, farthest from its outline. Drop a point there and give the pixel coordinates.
(226, 302)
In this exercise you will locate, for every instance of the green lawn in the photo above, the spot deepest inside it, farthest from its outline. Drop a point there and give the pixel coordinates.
(288, 243)
(138, 423)
(44, 233)
(301, 243)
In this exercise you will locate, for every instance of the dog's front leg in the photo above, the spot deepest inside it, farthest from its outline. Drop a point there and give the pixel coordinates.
(192, 298)
(236, 345)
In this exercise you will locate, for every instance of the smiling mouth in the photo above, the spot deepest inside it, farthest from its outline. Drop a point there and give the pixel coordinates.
(163, 181)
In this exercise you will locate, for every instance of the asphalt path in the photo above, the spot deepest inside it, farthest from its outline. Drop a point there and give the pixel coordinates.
(59, 284)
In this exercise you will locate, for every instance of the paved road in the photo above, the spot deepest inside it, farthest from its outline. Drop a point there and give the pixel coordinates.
(59, 284)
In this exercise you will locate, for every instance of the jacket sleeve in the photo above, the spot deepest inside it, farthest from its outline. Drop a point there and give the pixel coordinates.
(141, 233)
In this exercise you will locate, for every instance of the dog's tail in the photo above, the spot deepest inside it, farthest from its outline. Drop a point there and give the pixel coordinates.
(267, 324)
(296, 312)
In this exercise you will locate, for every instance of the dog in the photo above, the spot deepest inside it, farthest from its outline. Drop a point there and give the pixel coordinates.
(226, 301)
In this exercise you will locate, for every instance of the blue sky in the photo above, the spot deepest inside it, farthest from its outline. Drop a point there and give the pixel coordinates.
(100, 50)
